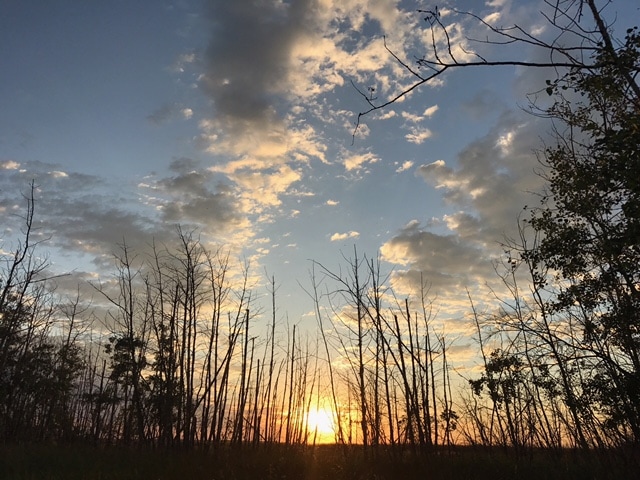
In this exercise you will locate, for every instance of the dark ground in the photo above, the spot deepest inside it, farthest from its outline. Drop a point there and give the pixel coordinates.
(331, 462)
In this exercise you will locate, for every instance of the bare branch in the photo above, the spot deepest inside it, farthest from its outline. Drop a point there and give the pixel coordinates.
(566, 18)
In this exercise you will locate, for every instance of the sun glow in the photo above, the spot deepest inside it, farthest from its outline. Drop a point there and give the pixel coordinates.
(320, 426)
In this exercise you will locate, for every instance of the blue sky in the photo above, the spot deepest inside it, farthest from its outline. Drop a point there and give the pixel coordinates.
(237, 117)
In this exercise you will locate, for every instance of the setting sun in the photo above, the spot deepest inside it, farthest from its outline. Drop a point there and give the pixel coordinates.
(320, 425)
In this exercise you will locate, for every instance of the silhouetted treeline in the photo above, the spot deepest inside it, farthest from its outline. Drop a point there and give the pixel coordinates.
(165, 355)
(175, 350)
(168, 353)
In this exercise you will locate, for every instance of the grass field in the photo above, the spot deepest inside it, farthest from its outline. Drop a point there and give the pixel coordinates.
(309, 463)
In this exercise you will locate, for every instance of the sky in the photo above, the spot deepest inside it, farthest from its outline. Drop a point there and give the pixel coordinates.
(238, 118)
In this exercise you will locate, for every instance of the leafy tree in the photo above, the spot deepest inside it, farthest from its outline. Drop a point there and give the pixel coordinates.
(589, 224)
(584, 259)
(38, 374)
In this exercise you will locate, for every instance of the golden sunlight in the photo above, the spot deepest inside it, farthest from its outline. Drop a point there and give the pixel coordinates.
(320, 426)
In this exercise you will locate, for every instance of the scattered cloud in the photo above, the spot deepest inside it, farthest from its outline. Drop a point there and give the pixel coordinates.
(273, 127)
(429, 112)
(496, 3)
(9, 165)
(268, 84)
(264, 188)
(387, 115)
(405, 166)
(82, 214)
(87, 216)
(336, 237)
(358, 161)
(418, 135)
(488, 184)
(411, 117)
(492, 18)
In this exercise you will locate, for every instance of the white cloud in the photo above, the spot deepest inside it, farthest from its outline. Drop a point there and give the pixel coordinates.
(357, 161)
(492, 18)
(405, 166)
(264, 188)
(429, 112)
(418, 135)
(336, 237)
(411, 117)
(9, 165)
(387, 115)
